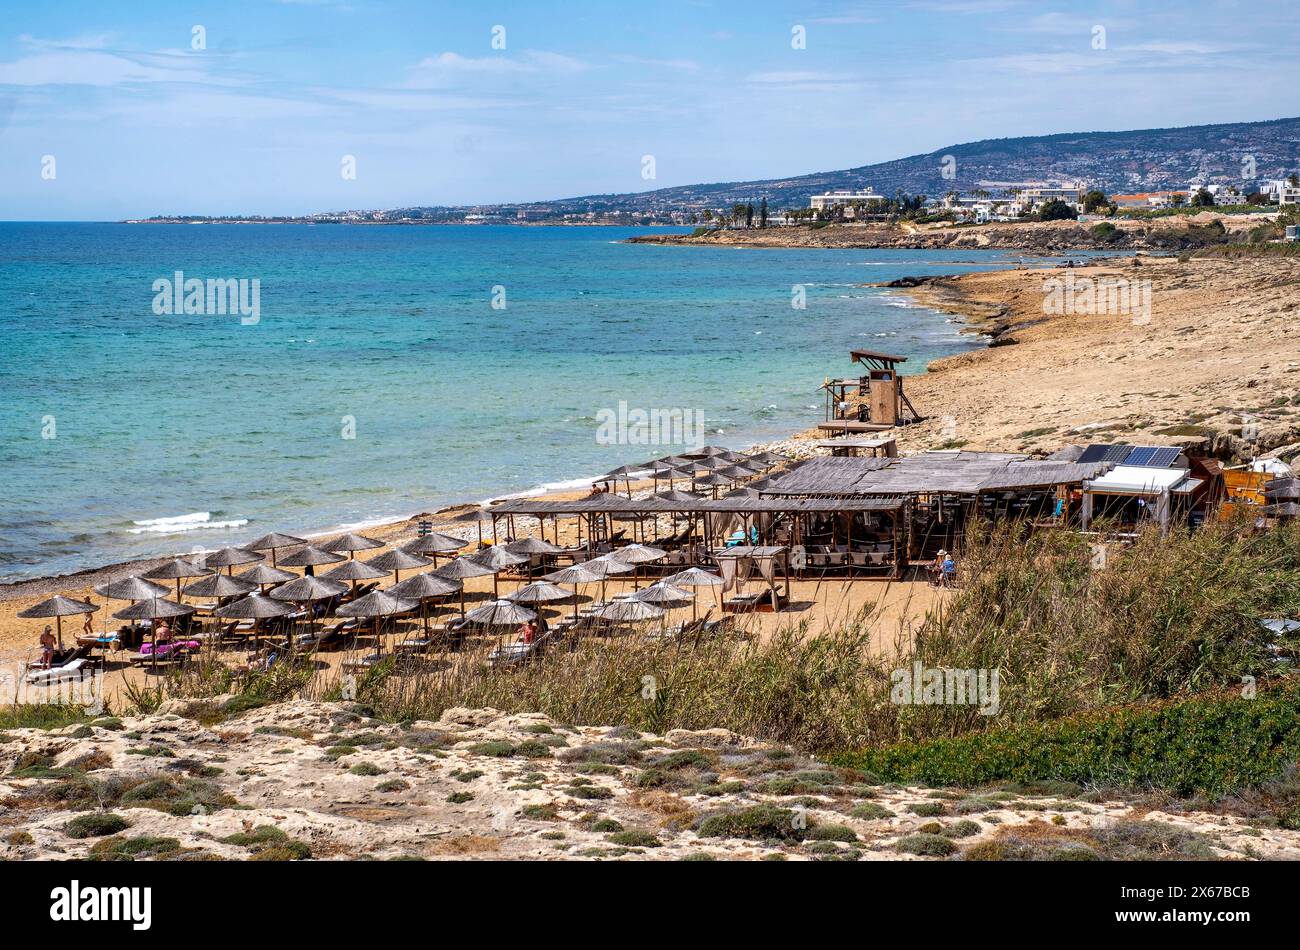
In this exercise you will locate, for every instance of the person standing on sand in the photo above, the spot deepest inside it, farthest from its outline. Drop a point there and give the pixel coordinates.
(47, 646)
(88, 625)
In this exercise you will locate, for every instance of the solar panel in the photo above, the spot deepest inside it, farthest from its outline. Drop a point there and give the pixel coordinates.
(1094, 453)
(1165, 457)
(1141, 455)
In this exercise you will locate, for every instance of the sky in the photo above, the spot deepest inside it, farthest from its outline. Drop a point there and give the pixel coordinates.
(112, 109)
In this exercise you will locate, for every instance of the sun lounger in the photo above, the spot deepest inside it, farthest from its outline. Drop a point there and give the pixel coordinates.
(76, 669)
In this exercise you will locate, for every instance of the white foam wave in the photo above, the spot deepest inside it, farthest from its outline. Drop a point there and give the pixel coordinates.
(181, 524)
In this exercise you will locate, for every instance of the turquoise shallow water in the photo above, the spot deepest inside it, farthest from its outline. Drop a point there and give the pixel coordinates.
(173, 432)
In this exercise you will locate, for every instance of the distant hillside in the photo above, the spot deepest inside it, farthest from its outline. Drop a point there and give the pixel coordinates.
(1140, 160)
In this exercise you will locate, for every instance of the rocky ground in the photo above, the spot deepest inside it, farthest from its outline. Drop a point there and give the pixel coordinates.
(1173, 233)
(203, 780)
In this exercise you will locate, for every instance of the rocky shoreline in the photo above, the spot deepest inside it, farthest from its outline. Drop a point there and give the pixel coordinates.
(1171, 234)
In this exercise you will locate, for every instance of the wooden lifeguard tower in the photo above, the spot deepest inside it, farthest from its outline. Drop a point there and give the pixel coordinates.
(869, 403)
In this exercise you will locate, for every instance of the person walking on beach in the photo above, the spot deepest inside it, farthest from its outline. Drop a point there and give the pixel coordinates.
(88, 625)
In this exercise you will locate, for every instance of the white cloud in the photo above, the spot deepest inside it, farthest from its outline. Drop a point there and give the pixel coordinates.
(95, 68)
(447, 67)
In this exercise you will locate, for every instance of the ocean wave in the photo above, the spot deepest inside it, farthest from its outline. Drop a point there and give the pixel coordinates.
(180, 524)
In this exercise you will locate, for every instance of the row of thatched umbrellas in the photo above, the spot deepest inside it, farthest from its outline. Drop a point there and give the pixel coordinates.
(710, 467)
(295, 593)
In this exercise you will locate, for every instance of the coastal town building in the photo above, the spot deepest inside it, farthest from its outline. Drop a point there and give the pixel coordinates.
(1030, 197)
(843, 199)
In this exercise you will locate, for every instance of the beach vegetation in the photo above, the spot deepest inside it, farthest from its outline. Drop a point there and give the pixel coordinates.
(95, 825)
(926, 844)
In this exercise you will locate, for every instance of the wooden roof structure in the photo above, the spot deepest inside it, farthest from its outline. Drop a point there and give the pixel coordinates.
(930, 473)
(875, 359)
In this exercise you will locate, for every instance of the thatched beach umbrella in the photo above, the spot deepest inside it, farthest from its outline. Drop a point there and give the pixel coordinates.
(352, 543)
(423, 586)
(229, 558)
(714, 480)
(131, 588)
(310, 557)
(219, 585)
(624, 472)
(478, 516)
(539, 592)
(500, 613)
(461, 569)
(376, 605)
(605, 567)
(57, 607)
(636, 554)
(498, 559)
(176, 570)
(398, 560)
(1284, 509)
(433, 544)
(353, 571)
(628, 611)
(693, 577)
(270, 542)
(264, 574)
(305, 590)
(575, 574)
(662, 593)
(153, 610)
(255, 607)
(530, 547)
(769, 458)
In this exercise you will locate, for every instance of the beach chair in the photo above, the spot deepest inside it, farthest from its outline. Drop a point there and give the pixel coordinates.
(76, 669)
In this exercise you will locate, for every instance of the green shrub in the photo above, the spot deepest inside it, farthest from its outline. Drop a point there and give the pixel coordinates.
(260, 835)
(634, 838)
(831, 833)
(930, 845)
(870, 811)
(1211, 744)
(544, 812)
(961, 829)
(496, 748)
(366, 768)
(759, 823)
(460, 798)
(96, 825)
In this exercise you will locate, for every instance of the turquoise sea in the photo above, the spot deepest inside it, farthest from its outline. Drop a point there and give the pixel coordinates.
(127, 433)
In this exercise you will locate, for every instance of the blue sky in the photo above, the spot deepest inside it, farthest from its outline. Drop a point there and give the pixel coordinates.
(139, 122)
